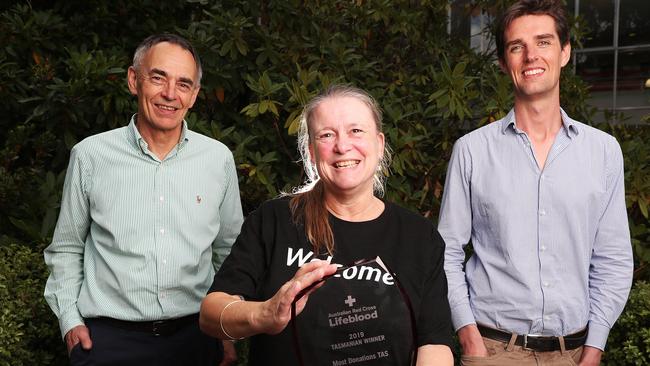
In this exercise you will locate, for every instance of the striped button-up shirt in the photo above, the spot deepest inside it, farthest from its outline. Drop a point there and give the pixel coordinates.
(552, 251)
(139, 238)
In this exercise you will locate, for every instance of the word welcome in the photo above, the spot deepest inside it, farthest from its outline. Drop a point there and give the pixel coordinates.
(356, 272)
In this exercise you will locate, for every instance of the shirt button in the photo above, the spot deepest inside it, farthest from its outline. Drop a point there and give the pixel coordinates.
(543, 248)
(542, 212)
(164, 261)
(546, 317)
(162, 198)
(545, 284)
(162, 231)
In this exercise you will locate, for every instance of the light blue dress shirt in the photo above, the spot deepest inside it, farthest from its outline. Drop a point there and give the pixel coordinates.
(552, 250)
(139, 238)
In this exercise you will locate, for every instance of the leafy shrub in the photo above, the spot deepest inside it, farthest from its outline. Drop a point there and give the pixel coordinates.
(636, 154)
(28, 330)
(629, 340)
(62, 78)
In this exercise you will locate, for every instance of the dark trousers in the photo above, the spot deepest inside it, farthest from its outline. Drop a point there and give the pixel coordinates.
(116, 346)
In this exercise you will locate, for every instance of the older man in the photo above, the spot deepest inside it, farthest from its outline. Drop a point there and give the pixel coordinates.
(149, 213)
(541, 196)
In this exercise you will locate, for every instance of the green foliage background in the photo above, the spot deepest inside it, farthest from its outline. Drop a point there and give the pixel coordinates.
(62, 78)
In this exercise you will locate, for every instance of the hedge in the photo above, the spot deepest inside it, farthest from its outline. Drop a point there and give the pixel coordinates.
(62, 78)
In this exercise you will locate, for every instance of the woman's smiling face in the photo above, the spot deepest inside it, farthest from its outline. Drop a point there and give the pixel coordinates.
(345, 145)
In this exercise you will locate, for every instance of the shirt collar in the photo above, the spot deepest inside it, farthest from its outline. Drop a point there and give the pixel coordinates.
(569, 126)
(139, 142)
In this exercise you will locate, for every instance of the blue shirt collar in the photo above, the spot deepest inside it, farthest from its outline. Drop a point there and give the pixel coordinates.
(569, 126)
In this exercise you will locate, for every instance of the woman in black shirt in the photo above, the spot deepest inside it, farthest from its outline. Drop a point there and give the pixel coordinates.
(336, 214)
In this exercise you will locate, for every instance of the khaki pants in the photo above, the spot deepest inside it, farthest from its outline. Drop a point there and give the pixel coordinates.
(503, 354)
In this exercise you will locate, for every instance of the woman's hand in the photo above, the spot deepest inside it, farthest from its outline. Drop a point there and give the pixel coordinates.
(275, 313)
(226, 316)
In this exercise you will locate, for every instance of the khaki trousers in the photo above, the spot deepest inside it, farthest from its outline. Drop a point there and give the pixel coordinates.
(507, 354)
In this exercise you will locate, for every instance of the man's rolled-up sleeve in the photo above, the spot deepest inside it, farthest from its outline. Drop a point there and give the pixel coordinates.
(230, 214)
(455, 227)
(64, 256)
(611, 267)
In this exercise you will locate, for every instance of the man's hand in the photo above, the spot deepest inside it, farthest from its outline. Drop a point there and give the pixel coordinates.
(229, 354)
(78, 334)
(471, 341)
(590, 356)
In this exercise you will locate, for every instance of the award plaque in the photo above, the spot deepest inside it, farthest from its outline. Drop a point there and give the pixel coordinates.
(360, 315)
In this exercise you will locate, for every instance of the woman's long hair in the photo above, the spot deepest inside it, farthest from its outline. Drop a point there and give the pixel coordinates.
(308, 202)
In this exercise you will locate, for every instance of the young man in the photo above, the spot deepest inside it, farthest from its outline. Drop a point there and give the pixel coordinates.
(149, 213)
(541, 197)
